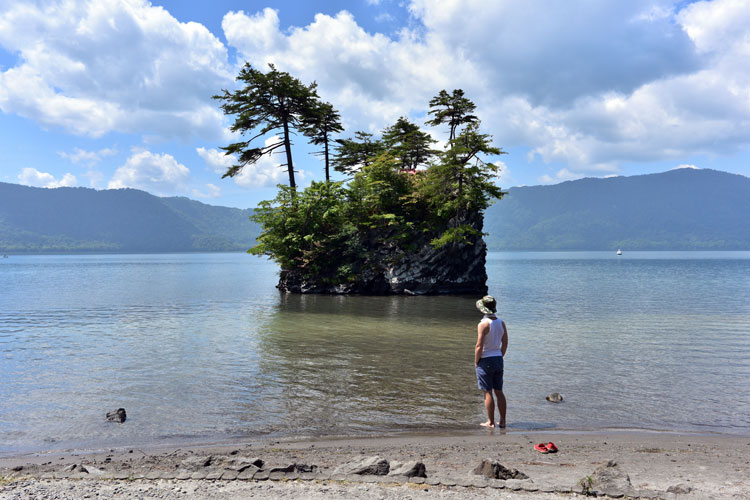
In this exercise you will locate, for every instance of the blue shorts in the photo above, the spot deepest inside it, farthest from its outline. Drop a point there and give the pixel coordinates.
(490, 373)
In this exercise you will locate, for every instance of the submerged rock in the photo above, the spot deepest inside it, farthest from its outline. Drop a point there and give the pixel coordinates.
(555, 397)
(118, 415)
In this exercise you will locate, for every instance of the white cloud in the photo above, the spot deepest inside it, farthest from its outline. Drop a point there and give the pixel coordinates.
(112, 65)
(159, 174)
(562, 175)
(33, 177)
(212, 191)
(87, 157)
(266, 172)
(216, 159)
(587, 85)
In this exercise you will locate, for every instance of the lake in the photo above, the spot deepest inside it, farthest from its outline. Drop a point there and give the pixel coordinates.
(202, 347)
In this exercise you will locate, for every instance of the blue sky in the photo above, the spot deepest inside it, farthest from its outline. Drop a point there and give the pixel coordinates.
(116, 93)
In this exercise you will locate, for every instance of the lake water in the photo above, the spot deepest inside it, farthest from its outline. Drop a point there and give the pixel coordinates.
(203, 347)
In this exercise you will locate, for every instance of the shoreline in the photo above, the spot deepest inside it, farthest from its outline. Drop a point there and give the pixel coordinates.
(658, 464)
(197, 443)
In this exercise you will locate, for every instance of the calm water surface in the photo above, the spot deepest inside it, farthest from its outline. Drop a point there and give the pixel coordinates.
(200, 347)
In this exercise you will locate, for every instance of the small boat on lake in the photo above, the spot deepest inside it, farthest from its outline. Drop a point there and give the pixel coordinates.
(619, 252)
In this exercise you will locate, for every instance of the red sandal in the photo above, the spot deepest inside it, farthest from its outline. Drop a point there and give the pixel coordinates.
(541, 448)
(551, 447)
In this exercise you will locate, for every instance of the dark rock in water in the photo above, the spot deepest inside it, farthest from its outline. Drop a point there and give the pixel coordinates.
(452, 269)
(496, 470)
(555, 397)
(408, 469)
(118, 415)
(375, 466)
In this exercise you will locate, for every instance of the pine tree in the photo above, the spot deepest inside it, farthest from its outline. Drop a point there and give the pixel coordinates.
(273, 101)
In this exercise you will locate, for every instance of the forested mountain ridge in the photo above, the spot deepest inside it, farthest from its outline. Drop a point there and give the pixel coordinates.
(682, 209)
(38, 220)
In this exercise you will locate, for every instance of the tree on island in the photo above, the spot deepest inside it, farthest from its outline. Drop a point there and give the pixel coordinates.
(408, 221)
(353, 154)
(318, 124)
(269, 102)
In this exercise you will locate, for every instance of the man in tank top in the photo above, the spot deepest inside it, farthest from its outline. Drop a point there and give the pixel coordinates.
(492, 342)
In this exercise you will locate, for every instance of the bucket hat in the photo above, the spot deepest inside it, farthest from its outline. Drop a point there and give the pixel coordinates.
(487, 304)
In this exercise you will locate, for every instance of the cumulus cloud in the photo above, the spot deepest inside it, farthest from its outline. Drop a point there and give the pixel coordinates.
(33, 177)
(562, 175)
(267, 171)
(156, 173)
(112, 65)
(589, 86)
(212, 191)
(87, 157)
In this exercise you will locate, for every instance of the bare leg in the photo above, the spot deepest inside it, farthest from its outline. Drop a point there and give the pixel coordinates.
(489, 405)
(500, 406)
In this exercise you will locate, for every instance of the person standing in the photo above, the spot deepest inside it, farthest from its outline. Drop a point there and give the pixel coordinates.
(492, 342)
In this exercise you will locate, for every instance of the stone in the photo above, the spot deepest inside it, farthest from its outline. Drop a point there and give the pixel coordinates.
(283, 468)
(305, 468)
(247, 474)
(201, 474)
(496, 470)
(555, 397)
(196, 463)
(417, 480)
(681, 489)
(261, 475)
(241, 464)
(117, 415)
(408, 469)
(154, 474)
(214, 475)
(229, 475)
(275, 476)
(606, 478)
(375, 466)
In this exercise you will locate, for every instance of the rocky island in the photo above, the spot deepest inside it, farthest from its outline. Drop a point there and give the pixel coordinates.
(407, 219)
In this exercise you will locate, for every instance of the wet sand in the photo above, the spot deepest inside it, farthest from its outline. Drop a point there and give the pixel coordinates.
(658, 465)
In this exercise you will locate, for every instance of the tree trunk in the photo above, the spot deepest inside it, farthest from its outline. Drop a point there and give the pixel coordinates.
(325, 142)
(288, 148)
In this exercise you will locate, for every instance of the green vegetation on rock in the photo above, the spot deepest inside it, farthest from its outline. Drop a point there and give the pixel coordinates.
(404, 202)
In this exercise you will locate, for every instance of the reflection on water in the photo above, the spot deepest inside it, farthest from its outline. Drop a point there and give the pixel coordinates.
(204, 347)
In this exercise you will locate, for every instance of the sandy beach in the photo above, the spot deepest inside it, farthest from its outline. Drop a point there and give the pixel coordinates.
(630, 464)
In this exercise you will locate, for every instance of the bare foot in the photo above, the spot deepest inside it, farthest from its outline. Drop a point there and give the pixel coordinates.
(488, 424)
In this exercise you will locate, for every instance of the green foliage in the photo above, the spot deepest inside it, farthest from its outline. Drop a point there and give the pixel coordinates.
(269, 102)
(353, 154)
(401, 192)
(319, 123)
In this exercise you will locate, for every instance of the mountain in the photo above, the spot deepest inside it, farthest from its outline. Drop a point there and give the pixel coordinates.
(38, 220)
(682, 209)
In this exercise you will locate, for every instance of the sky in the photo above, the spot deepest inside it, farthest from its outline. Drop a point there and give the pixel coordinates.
(110, 94)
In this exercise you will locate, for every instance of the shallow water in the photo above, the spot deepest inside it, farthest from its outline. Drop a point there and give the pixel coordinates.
(202, 346)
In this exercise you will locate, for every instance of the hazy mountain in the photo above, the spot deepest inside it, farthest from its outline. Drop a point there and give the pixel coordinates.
(122, 220)
(680, 209)
(684, 209)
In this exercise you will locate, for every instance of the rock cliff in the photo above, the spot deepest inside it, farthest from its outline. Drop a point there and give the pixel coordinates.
(453, 269)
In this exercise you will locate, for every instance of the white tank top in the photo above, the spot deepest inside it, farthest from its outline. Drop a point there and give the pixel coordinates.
(494, 338)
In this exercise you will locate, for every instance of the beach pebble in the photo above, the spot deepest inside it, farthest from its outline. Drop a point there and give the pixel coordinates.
(681, 489)
(408, 469)
(496, 470)
(376, 466)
